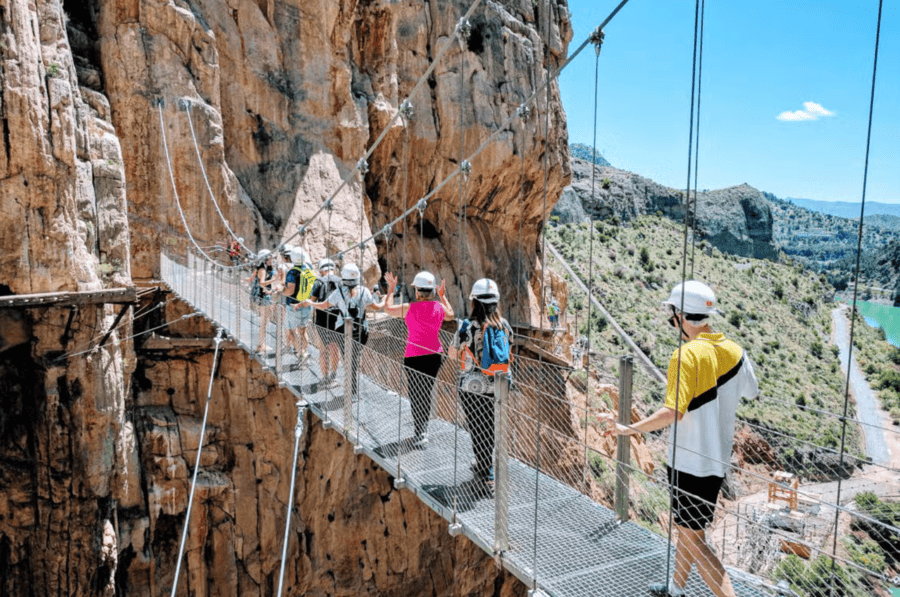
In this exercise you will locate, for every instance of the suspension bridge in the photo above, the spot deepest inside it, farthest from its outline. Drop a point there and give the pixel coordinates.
(545, 520)
(541, 521)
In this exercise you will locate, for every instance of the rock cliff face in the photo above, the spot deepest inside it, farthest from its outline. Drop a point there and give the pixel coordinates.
(283, 98)
(737, 220)
(286, 96)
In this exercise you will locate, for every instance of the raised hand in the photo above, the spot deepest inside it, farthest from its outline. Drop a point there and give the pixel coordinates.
(391, 281)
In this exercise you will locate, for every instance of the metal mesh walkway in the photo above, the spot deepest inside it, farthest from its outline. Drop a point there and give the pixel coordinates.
(551, 533)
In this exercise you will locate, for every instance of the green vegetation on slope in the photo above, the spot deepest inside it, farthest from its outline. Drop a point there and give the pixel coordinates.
(776, 312)
(881, 364)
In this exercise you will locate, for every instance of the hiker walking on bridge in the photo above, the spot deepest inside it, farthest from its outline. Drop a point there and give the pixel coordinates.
(351, 299)
(424, 353)
(482, 346)
(708, 376)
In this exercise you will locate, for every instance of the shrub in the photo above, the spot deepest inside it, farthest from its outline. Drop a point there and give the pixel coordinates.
(644, 256)
(889, 380)
(894, 356)
(631, 250)
(735, 319)
(817, 349)
(779, 291)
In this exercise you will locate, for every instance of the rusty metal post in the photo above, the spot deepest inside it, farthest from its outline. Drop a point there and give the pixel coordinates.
(623, 452)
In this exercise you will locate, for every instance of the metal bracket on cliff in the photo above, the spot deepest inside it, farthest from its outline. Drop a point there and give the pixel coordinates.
(464, 29)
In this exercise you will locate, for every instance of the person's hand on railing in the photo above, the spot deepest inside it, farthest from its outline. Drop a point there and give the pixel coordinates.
(612, 427)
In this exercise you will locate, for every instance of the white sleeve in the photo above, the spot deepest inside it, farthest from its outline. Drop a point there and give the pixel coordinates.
(751, 384)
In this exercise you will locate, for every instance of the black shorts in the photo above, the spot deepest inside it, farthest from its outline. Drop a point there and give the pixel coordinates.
(693, 498)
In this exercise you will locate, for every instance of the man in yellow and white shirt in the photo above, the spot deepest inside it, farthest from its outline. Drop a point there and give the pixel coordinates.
(708, 376)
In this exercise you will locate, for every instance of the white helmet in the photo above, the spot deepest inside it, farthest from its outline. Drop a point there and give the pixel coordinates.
(326, 264)
(298, 255)
(263, 255)
(424, 281)
(350, 275)
(486, 291)
(699, 298)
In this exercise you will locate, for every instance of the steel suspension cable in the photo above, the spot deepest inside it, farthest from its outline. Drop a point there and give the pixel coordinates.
(298, 433)
(679, 328)
(862, 213)
(162, 129)
(587, 397)
(523, 112)
(188, 104)
(187, 516)
(544, 262)
(404, 254)
(697, 144)
(463, 30)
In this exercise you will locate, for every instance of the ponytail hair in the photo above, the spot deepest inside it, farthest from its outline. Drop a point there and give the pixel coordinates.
(487, 313)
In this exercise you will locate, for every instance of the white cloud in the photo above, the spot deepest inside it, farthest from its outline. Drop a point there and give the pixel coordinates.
(812, 112)
(816, 109)
(794, 116)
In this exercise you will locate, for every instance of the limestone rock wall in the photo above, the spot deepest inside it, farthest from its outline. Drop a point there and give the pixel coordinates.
(67, 452)
(285, 98)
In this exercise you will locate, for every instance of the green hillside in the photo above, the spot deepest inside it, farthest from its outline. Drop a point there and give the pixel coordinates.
(776, 312)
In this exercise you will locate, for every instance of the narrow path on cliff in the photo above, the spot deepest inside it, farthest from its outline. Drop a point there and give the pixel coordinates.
(868, 407)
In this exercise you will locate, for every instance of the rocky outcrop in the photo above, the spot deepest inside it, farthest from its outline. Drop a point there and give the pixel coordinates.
(737, 220)
(67, 448)
(285, 98)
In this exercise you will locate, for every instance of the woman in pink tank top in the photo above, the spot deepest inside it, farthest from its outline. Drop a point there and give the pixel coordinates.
(424, 353)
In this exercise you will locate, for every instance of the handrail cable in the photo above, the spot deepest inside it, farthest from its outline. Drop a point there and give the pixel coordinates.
(862, 213)
(679, 328)
(187, 105)
(187, 515)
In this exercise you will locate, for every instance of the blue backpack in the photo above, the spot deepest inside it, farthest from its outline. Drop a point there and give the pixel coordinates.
(495, 352)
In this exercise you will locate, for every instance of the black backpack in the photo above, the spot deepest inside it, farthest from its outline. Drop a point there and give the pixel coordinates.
(357, 314)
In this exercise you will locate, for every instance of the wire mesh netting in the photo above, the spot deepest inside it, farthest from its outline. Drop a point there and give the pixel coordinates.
(528, 472)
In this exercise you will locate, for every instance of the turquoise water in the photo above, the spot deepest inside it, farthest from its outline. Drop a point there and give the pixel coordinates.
(882, 316)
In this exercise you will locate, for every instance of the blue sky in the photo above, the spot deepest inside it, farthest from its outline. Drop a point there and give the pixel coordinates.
(808, 61)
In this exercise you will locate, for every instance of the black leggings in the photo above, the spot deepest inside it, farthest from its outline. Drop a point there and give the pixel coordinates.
(421, 373)
(479, 410)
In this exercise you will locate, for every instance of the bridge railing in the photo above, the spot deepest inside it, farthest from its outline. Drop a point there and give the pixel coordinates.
(550, 516)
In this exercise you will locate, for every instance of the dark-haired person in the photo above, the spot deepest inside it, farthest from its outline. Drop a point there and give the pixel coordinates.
(261, 284)
(424, 353)
(708, 376)
(476, 389)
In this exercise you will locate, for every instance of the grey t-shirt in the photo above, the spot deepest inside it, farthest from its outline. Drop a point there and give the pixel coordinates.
(344, 298)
